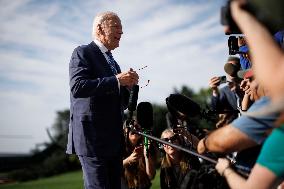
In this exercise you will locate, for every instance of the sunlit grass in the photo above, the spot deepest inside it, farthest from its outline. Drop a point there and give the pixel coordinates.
(72, 180)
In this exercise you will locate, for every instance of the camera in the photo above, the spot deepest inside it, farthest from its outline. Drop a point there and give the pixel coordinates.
(233, 45)
(227, 20)
(223, 79)
(269, 13)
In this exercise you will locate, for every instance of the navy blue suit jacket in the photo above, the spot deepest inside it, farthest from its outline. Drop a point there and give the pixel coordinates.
(97, 104)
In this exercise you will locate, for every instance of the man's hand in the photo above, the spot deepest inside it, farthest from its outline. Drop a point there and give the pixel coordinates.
(241, 41)
(222, 165)
(128, 78)
(245, 85)
(214, 83)
(201, 148)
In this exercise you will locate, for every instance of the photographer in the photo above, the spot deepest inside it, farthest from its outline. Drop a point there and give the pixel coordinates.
(230, 96)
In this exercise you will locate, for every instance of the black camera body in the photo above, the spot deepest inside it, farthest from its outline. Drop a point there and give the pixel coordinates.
(223, 79)
(233, 45)
(227, 20)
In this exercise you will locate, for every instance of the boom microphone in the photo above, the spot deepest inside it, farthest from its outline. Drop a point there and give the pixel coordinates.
(179, 104)
(145, 115)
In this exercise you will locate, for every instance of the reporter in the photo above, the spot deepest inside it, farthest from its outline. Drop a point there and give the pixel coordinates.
(230, 96)
(176, 165)
(138, 169)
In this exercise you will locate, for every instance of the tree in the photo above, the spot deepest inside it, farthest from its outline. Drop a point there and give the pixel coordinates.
(60, 128)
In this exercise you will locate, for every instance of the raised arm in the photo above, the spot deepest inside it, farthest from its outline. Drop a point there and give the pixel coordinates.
(267, 57)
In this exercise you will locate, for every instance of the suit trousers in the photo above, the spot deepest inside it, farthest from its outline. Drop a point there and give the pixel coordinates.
(101, 172)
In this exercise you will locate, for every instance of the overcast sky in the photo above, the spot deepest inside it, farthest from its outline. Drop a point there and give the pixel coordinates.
(181, 42)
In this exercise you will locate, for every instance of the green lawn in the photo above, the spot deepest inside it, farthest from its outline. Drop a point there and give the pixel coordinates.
(71, 180)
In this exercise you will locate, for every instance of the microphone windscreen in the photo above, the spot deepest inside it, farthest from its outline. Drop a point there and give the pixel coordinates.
(133, 98)
(145, 115)
(179, 103)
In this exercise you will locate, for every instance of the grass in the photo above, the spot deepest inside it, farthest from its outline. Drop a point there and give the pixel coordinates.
(72, 180)
(156, 181)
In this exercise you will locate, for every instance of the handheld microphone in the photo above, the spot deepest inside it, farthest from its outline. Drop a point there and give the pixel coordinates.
(145, 115)
(145, 120)
(132, 103)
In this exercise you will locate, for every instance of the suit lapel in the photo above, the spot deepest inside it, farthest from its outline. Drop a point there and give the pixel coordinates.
(100, 57)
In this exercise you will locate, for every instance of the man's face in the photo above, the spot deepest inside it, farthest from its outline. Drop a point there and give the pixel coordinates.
(111, 32)
(233, 83)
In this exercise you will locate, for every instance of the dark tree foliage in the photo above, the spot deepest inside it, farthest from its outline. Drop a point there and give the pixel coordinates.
(159, 119)
(60, 128)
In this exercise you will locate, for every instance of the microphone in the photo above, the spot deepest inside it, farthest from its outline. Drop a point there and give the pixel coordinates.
(132, 103)
(180, 106)
(145, 120)
(145, 115)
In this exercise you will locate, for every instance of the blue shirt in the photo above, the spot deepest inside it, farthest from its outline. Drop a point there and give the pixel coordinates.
(245, 63)
(256, 127)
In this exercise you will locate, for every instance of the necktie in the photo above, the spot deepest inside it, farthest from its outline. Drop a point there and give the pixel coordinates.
(111, 62)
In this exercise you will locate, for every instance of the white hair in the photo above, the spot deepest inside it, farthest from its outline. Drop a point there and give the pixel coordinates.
(100, 18)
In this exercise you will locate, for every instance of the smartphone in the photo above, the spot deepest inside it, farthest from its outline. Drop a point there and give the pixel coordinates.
(139, 149)
(223, 79)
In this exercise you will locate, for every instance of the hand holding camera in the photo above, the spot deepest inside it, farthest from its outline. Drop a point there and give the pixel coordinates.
(215, 82)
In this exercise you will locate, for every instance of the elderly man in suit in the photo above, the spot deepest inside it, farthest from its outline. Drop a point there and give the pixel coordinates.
(99, 94)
